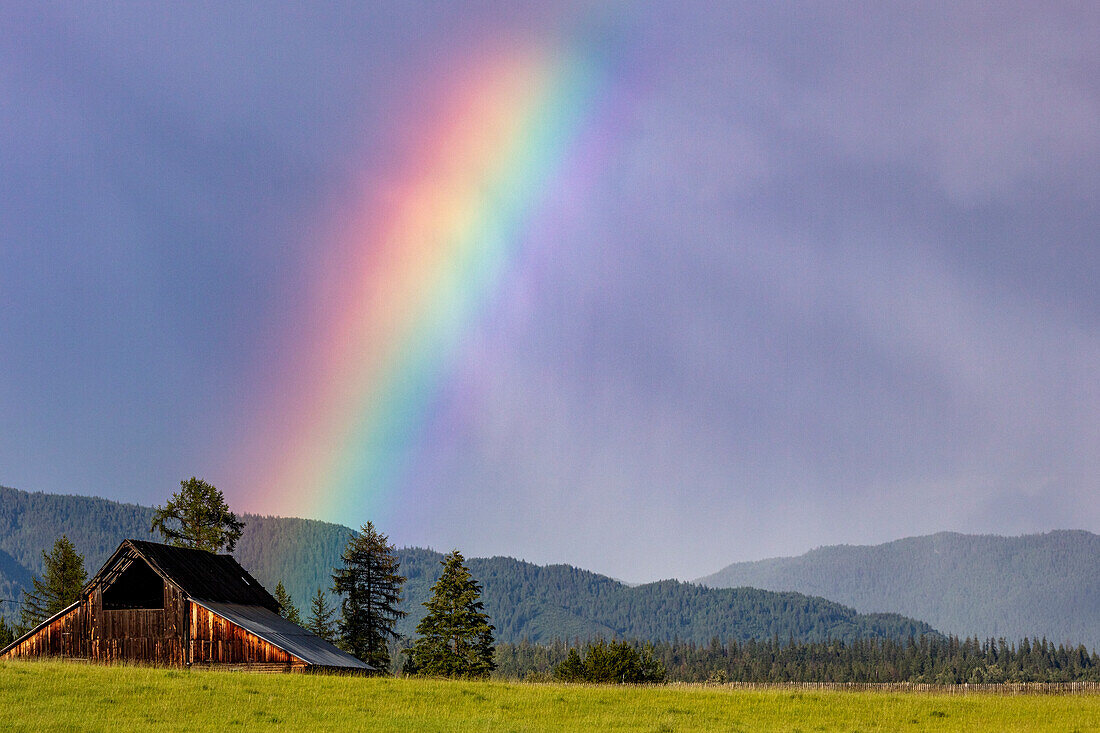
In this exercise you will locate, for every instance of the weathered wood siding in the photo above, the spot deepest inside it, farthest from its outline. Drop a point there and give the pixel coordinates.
(66, 636)
(151, 636)
(217, 641)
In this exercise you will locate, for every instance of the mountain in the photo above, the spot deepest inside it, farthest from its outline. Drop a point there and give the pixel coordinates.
(561, 601)
(984, 585)
(523, 600)
(271, 548)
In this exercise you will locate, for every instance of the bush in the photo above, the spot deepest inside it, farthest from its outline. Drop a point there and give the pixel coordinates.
(616, 662)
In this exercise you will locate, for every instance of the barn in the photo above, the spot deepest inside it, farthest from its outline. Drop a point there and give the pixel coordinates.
(179, 607)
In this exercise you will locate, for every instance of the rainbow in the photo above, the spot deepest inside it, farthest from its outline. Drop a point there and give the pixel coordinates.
(416, 277)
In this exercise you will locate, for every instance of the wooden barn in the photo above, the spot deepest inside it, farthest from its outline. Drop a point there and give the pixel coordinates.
(178, 607)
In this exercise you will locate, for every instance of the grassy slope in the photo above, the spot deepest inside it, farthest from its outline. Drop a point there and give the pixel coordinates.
(38, 696)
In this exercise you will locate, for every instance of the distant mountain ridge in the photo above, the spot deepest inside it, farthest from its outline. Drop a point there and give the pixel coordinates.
(524, 600)
(541, 603)
(985, 585)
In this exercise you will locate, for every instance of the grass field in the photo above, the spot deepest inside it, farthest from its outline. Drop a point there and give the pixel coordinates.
(41, 696)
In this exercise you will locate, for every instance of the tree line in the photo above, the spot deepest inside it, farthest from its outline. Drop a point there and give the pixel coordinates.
(524, 600)
(454, 639)
(455, 636)
(926, 659)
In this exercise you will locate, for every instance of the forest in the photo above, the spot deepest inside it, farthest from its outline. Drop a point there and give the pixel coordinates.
(966, 585)
(524, 600)
(766, 636)
(924, 659)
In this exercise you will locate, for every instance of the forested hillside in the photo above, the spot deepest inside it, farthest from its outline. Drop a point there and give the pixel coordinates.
(524, 600)
(968, 585)
(300, 552)
(560, 601)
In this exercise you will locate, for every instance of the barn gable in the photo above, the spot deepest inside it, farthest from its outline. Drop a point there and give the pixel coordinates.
(178, 606)
(197, 573)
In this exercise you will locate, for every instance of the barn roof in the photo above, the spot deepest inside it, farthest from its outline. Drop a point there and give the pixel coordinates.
(206, 576)
(199, 574)
(276, 630)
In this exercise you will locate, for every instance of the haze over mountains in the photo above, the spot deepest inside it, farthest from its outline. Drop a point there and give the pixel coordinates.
(1034, 585)
(524, 600)
(985, 585)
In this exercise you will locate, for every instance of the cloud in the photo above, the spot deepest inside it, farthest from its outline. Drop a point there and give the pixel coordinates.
(986, 102)
(830, 279)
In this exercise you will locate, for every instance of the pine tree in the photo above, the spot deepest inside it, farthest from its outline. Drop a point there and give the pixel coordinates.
(287, 609)
(456, 638)
(59, 586)
(7, 633)
(571, 669)
(198, 517)
(320, 619)
(371, 590)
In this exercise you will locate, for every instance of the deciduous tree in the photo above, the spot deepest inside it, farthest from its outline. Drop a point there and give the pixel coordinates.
(455, 637)
(370, 586)
(58, 587)
(198, 517)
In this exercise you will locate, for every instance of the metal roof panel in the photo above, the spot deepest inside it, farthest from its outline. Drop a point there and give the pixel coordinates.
(290, 637)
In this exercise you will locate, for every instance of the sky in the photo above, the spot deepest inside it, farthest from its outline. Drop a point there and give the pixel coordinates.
(647, 288)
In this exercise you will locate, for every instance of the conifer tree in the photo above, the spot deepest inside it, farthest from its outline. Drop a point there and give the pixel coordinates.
(455, 637)
(7, 633)
(371, 590)
(198, 517)
(58, 587)
(287, 609)
(320, 619)
(571, 669)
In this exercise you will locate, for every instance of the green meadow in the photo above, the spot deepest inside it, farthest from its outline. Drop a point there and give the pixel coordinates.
(57, 696)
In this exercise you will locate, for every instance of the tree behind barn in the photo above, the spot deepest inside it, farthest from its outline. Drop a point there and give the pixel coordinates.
(320, 619)
(287, 609)
(7, 632)
(371, 590)
(456, 638)
(58, 587)
(198, 517)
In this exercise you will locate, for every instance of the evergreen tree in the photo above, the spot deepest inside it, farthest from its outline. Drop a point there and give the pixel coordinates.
(371, 590)
(614, 662)
(58, 588)
(572, 669)
(7, 633)
(320, 619)
(287, 609)
(198, 517)
(455, 637)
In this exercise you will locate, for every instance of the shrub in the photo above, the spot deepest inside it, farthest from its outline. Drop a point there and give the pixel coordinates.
(615, 662)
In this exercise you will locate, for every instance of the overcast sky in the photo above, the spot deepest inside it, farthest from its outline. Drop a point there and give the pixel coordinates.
(833, 278)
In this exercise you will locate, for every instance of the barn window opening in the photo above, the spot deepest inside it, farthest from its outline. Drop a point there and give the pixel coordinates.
(137, 587)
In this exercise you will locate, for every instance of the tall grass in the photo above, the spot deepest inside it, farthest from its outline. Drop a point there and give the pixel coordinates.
(37, 696)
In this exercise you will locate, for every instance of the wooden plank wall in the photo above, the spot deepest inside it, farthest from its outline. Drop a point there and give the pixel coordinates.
(150, 636)
(67, 636)
(154, 636)
(144, 635)
(216, 641)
